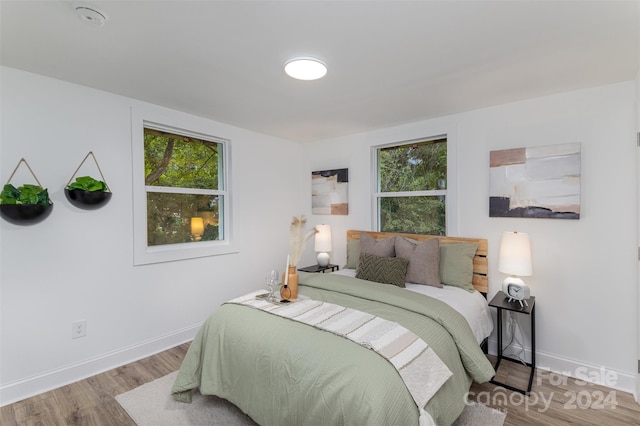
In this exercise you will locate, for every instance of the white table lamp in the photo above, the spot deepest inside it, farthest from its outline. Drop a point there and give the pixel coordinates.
(323, 244)
(515, 260)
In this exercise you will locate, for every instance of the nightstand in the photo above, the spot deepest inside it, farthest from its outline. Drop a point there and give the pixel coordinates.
(318, 268)
(500, 302)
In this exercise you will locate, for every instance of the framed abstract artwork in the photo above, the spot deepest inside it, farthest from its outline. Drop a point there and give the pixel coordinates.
(536, 182)
(330, 192)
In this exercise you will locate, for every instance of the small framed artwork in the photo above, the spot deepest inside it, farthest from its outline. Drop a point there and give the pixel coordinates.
(536, 182)
(330, 192)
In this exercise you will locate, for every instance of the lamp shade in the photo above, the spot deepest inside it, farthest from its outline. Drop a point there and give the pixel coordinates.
(197, 226)
(515, 254)
(323, 238)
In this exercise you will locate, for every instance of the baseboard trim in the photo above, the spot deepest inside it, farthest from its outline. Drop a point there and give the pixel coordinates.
(599, 375)
(34, 385)
(553, 363)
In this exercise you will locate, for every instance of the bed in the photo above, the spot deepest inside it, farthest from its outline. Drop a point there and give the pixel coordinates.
(283, 372)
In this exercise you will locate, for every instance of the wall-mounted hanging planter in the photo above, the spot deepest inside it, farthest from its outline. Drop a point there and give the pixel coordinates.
(86, 192)
(27, 204)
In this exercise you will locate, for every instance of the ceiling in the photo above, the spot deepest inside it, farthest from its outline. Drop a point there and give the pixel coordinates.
(390, 62)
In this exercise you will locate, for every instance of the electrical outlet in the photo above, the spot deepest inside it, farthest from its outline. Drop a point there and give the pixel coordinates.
(78, 329)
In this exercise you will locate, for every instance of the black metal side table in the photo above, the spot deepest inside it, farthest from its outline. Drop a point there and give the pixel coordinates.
(500, 301)
(318, 268)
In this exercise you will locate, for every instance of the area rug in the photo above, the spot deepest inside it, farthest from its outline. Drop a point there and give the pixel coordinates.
(152, 405)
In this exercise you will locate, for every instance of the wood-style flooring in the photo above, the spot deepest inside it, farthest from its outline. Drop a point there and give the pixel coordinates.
(554, 399)
(92, 401)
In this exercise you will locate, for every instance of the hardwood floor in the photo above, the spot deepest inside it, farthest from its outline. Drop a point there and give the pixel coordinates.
(92, 401)
(554, 400)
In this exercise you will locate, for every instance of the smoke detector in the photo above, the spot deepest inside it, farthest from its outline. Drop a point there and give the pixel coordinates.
(90, 15)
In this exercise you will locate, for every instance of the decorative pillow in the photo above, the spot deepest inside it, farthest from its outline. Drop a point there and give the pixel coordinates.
(386, 270)
(424, 260)
(456, 264)
(353, 254)
(385, 247)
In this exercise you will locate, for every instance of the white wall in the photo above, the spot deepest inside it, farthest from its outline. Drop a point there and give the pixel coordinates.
(78, 264)
(585, 271)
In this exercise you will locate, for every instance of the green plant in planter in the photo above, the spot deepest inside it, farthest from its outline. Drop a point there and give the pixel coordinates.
(87, 183)
(26, 194)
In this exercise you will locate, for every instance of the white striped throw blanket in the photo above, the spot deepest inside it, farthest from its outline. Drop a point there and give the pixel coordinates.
(418, 365)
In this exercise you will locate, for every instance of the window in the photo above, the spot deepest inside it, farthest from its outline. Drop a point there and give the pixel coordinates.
(411, 187)
(181, 190)
(183, 177)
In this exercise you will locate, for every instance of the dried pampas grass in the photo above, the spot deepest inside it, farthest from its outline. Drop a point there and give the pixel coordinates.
(299, 238)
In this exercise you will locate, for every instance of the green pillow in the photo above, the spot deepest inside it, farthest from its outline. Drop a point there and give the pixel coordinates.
(353, 254)
(386, 270)
(456, 264)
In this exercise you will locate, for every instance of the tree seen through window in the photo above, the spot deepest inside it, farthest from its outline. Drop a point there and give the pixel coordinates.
(412, 182)
(183, 180)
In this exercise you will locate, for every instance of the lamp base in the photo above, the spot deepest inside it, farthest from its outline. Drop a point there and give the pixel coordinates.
(515, 289)
(323, 259)
(512, 280)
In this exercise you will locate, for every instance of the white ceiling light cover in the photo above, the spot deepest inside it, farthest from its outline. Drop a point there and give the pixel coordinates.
(305, 68)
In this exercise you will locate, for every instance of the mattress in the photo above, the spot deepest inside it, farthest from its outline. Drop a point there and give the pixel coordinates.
(472, 305)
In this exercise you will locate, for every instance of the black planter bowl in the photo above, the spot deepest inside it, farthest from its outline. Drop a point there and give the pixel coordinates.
(87, 200)
(25, 214)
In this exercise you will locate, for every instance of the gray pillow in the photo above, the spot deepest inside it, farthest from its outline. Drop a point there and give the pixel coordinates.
(385, 270)
(385, 247)
(456, 264)
(353, 254)
(424, 260)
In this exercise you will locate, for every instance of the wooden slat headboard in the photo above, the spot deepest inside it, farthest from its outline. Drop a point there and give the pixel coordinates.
(480, 261)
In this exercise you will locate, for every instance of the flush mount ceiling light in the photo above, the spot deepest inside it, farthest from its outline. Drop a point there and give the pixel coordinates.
(305, 68)
(90, 15)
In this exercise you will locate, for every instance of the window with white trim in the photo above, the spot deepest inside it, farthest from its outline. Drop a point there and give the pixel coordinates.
(181, 191)
(184, 181)
(411, 187)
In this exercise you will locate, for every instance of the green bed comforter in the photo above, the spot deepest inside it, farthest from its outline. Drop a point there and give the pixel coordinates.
(281, 372)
